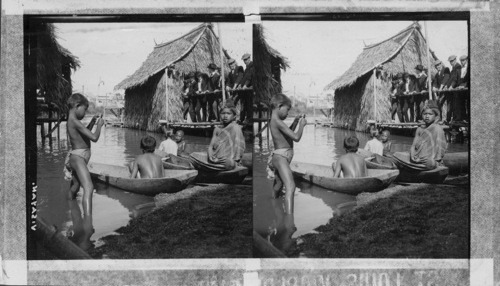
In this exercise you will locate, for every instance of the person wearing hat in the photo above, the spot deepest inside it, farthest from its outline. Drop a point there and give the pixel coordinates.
(214, 86)
(421, 85)
(246, 97)
(455, 104)
(439, 83)
(397, 83)
(189, 97)
(235, 75)
(464, 83)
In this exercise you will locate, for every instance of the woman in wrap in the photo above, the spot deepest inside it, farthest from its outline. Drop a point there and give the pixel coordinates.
(227, 145)
(429, 145)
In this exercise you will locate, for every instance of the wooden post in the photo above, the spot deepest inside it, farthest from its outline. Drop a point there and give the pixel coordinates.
(429, 82)
(50, 122)
(42, 131)
(166, 95)
(222, 66)
(375, 95)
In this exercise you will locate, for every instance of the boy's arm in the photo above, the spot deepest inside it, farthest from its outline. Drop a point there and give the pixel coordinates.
(336, 169)
(135, 169)
(295, 122)
(289, 133)
(87, 133)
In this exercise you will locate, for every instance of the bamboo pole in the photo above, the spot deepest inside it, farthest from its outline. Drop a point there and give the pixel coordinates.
(375, 95)
(428, 62)
(222, 66)
(166, 95)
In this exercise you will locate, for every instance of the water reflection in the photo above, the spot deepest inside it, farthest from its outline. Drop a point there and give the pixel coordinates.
(314, 206)
(112, 207)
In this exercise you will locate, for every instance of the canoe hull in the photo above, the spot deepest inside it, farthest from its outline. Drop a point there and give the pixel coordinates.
(322, 176)
(235, 176)
(435, 176)
(457, 162)
(117, 176)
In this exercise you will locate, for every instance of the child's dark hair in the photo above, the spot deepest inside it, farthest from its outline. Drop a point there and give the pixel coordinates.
(148, 144)
(280, 99)
(351, 144)
(77, 99)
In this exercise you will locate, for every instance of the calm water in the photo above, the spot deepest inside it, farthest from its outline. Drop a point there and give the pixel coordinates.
(112, 208)
(314, 205)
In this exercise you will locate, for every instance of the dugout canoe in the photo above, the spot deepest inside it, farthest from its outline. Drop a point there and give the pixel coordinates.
(457, 163)
(118, 176)
(377, 180)
(182, 163)
(435, 176)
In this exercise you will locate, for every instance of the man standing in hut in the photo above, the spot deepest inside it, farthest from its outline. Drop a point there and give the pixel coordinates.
(246, 96)
(455, 100)
(464, 83)
(214, 86)
(234, 78)
(440, 80)
(421, 85)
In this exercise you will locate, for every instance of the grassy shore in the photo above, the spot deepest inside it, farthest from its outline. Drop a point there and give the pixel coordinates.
(414, 221)
(201, 222)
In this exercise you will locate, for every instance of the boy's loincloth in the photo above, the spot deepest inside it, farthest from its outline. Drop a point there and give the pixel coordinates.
(283, 152)
(68, 171)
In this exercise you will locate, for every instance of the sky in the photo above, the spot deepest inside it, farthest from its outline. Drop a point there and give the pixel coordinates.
(112, 51)
(320, 52)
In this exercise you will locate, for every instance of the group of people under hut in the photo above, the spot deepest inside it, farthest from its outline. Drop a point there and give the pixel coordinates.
(224, 152)
(406, 93)
(202, 94)
(426, 152)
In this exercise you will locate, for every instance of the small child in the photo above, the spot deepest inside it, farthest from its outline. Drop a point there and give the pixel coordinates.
(80, 137)
(148, 164)
(351, 164)
(384, 138)
(181, 144)
(168, 146)
(283, 138)
(374, 146)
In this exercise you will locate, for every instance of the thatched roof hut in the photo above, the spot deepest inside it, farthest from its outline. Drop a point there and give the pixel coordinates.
(358, 90)
(54, 64)
(268, 64)
(145, 88)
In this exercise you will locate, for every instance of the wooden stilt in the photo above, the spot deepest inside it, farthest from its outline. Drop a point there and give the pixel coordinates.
(42, 131)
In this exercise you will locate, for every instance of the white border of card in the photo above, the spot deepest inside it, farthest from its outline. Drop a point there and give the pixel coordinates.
(479, 270)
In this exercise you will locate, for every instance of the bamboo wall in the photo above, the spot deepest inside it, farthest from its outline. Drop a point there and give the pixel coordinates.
(355, 105)
(145, 105)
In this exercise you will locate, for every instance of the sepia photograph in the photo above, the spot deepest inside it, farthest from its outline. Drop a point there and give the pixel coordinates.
(266, 143)
(143, 139)
(365, 153)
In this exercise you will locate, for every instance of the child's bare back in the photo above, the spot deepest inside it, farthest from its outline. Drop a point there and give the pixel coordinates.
(352, 166)
(149, 166)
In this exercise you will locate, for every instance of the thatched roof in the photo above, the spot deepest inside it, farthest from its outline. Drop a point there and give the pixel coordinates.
(268, 63)
(190, 52)
(384, 53)
(54, 64)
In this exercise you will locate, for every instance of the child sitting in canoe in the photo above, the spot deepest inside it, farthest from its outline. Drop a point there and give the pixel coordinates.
(168, 146)
(283, 138)
(374, 146)
(148, 165)
(226, 147)
(351, 164)
(79, 155)
(181, 144)
(429, 144)
(384, 138)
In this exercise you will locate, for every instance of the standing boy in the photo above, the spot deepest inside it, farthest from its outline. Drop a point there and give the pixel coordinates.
(79, 155)
(351, 164)
(283, 137)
